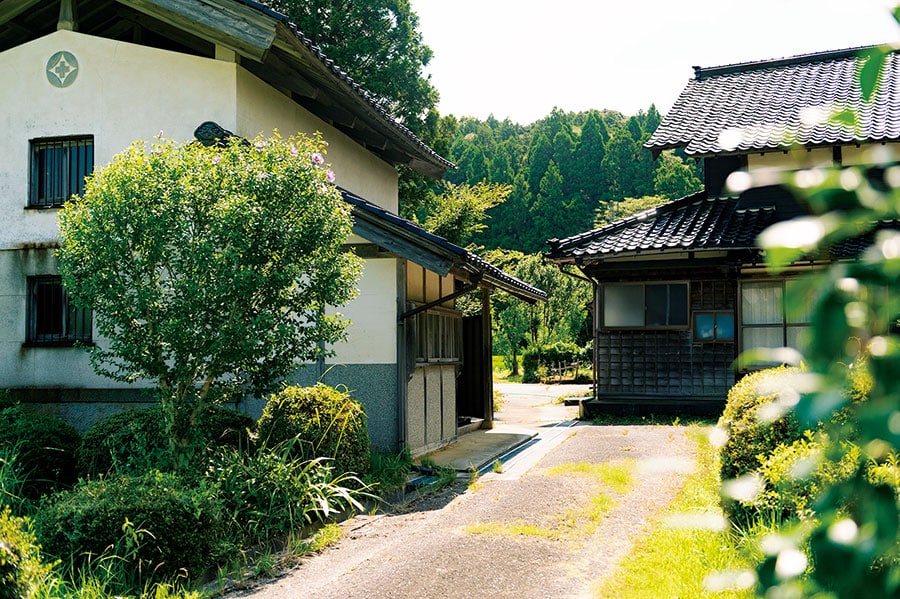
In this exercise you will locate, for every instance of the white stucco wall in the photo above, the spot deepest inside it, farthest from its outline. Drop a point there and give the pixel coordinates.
(122, 92)
(125, 92)
(372, 334)
(261, 109)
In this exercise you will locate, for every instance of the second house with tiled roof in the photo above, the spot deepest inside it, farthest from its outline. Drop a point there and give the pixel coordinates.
(681, 289)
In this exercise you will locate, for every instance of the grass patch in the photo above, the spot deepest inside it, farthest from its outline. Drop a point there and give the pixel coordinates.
(651, 419)
(616, 475)
(577, 522)
(511, 529)
(326, 536)
(674, 560)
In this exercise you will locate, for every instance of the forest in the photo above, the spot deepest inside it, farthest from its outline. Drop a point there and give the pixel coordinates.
(516, 185)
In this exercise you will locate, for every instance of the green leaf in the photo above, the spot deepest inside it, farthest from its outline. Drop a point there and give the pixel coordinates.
(870, 72)
(845, 117)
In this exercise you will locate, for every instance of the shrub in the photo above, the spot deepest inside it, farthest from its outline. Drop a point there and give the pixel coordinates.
(795, 474)
(183, 524)
(45, 448)
(754, 425)
(134, 442)
(531, 360)
(325, 422)
(272, 492)
(21, 569)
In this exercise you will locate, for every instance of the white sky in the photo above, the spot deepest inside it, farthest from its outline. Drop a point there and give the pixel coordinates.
(520, 58)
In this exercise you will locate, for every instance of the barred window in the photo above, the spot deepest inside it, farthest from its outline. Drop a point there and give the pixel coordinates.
(58, 169)
(52, 318)
(438, 337)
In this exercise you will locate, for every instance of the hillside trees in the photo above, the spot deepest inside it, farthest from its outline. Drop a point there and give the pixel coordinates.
(562, 169)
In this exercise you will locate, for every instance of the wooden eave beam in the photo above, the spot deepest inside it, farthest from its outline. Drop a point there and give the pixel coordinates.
(234, 26)
(10, 9)
(175, 34)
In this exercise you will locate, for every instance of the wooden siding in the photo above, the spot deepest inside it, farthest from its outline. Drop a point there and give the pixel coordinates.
(670, 363)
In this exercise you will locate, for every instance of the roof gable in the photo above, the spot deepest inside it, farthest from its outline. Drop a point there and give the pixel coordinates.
(270, 47)
(775, 104)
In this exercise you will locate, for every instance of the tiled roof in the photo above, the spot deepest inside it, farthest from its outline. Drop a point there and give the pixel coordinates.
(370, 101)
(692, 223)
(773, 104)
(460, 257)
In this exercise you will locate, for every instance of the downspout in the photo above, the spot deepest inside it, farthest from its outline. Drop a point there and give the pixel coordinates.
(402, 367)
(594, 317)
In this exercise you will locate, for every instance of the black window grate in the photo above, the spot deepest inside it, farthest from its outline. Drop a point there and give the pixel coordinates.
(58, 169)
(52, 318)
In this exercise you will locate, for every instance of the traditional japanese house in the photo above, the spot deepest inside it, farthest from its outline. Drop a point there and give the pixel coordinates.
(83, 79)
(680, 290)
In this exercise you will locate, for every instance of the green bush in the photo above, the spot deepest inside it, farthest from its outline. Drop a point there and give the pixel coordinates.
(135, 441)
(271, 492)
(182, 524)
(536, 361)
(45, 448)
(752, 439)
(325, 422)
(531, 360)
(21, 568)
(793, 476)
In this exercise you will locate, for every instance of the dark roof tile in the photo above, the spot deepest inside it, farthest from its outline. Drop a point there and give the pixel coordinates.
(692, 223)
(767, 105)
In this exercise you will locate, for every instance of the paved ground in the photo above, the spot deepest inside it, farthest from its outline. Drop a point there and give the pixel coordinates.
(522, 533)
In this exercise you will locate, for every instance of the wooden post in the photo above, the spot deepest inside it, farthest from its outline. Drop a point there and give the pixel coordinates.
(67, 19)
(487, 360)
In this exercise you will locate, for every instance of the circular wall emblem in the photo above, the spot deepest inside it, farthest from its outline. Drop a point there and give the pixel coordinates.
(62, 69)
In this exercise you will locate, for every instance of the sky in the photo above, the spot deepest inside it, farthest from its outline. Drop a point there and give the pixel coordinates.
(521, 58)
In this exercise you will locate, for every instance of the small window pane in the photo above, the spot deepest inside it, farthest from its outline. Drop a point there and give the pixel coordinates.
(666, 305)
(623, 306)
(52, 319)
(800, 311)
(796, 336)
(761, 303)
(704, 326)
(763, 337)
(724, 326)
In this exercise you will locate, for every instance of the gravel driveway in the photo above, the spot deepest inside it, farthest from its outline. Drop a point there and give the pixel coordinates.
(534, 530)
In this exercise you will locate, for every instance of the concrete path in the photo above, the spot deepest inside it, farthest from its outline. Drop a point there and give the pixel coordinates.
(549, 525)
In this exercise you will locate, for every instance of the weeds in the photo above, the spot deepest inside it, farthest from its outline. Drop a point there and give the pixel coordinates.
(687, 546)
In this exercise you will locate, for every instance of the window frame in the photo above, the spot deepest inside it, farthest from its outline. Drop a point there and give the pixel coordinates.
(70, 182)
(69, 335)
(645, 327)
(784, 325)
(438, 336)
(715, 338)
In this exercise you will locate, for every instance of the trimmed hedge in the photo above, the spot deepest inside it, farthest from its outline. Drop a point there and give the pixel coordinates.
(45, 448)
(325, 423)
(751, 439)
(135, 441)
(183, 523)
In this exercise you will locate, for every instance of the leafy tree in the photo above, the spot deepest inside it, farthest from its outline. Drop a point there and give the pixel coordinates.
(459, 213)
(539, 156)
(209, 269)
(674, 179)
(588, 157)
(610, 212)
(628, 164)
(378, 43)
